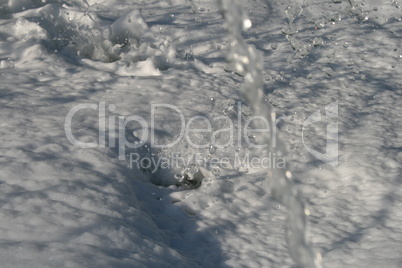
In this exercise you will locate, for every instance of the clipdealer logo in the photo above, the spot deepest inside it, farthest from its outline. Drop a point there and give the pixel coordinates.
(115, 128)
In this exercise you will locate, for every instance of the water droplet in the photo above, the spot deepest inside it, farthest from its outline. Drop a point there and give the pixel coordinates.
(334, 18)
(246, 110)
(192, 169)
(319, 24)
(247, 24)
(292, 12)
(212, 149)
(317, 42)
(278, 77)
(216, 172)
(179, 177)
(307, 211)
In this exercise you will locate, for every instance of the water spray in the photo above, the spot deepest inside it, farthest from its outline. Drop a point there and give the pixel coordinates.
(247, 61)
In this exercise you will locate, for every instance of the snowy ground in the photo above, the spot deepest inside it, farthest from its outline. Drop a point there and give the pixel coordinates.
(66, 206)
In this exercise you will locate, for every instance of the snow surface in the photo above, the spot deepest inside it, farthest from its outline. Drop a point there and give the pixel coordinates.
(65, 206)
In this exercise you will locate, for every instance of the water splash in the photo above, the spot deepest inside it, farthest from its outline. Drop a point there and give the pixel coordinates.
(246, 59)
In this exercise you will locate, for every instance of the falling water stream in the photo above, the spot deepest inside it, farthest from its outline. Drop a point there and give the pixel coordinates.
(247, 60)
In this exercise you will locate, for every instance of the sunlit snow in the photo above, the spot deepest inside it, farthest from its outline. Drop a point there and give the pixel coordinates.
(91, 90)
